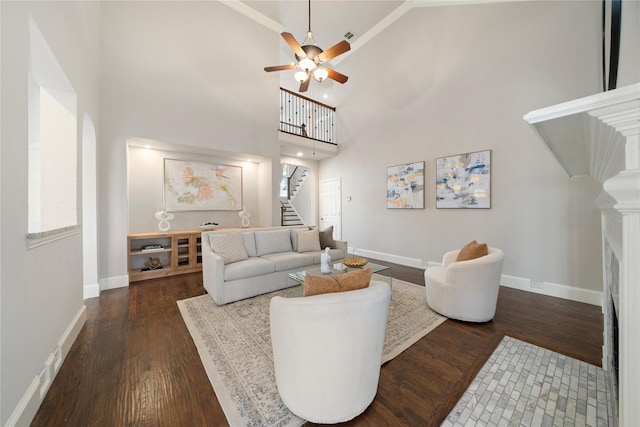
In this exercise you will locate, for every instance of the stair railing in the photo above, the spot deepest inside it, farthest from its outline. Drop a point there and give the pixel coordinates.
(289, 184)
(306, 117)
(294, 180)
(282, 208)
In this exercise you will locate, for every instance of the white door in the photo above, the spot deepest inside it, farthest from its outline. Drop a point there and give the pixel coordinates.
(331, 206)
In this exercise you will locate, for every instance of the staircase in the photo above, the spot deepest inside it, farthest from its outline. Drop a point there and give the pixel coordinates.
(296, 180)
(289, 216)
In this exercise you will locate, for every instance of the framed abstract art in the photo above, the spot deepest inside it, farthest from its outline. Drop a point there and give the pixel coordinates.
(405, 186)
(199, 186)
(464, 181)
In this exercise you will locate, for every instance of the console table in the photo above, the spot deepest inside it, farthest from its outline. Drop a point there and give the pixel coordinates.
(178, 252)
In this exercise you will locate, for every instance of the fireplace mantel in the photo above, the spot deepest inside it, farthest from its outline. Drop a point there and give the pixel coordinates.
(599, 136)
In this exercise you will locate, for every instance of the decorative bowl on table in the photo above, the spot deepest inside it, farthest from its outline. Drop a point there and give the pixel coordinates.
(355, 261)
(208, 225)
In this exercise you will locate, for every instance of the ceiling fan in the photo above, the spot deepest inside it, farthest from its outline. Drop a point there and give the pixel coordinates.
(311, 59)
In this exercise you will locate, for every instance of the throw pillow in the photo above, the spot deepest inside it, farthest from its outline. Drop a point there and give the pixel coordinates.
(326, 238)
(294, 237)
(229, 246)
(472, 250)
(323, 284)
(308, 240)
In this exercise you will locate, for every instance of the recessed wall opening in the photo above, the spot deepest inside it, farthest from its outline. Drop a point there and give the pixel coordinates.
(53, 142)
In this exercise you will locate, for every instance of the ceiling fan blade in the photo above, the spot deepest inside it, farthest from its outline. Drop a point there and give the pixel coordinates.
(280, 67)
(293, 44)
(335, 50)
(334, 75)
(305, 84)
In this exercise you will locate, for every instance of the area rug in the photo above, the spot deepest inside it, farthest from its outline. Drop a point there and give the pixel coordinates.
(525, 385)
(234, 344)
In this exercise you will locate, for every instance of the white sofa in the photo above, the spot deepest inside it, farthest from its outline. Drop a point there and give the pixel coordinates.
(267, 256)
(327, 351)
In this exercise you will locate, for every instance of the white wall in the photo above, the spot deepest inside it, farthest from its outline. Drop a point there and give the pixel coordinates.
(182, 73)
(459, 81)
(146, 178)
(41, 299)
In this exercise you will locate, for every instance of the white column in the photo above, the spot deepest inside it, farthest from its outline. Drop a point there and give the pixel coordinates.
(625, 189)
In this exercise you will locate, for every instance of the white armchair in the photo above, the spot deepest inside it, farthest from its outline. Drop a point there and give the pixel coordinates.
(327, 351)
(465, 290)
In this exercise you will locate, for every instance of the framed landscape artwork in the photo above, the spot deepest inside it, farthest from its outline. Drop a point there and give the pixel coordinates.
(464, 181)
(405, 186)
(199, 186)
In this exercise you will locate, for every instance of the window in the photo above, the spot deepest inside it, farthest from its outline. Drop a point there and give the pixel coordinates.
(53, 139)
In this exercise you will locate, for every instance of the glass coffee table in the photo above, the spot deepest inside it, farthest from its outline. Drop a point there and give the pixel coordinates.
(297, 278)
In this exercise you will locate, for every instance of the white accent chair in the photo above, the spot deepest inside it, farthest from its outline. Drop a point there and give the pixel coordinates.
(327, 351)
(465, 290)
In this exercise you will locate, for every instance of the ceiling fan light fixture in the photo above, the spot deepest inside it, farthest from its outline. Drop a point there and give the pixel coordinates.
(311, 58)
(300, 76)
(307, 64)
(320, 74)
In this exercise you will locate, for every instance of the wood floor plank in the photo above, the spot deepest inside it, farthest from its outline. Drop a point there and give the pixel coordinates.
(135, 364)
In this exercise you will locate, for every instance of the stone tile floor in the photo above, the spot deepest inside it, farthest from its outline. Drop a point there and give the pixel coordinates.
(525, 385)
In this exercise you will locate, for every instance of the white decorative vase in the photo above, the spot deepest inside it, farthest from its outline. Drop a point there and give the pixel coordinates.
(164, 217)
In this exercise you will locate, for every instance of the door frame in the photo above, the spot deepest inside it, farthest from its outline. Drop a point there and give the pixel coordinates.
(337, 230)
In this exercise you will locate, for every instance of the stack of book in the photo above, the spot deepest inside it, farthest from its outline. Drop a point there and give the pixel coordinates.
(152, 248)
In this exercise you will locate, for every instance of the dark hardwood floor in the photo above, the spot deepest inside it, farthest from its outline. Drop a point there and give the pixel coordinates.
(134, 363)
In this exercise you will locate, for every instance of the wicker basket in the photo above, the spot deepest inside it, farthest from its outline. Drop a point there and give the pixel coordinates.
(355, 261)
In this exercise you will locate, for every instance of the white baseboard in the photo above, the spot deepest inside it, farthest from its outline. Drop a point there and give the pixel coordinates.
(23, 414)
(547, 288)
(554, 290)
(114, 282)
(411, 262)
(91, 291)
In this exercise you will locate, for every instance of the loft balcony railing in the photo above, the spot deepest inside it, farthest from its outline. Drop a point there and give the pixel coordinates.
(306, 117)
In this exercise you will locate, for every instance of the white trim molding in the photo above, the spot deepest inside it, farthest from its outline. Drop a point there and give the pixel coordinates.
(34, 240)
(28, 405)
(382, 256)
(551, 289)
(251, 13)
(114, 282)
(91, 291)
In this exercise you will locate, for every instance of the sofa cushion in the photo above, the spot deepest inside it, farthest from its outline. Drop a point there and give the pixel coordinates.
(273, 241)
(308, 240)
(230, 246)
(250, 243)
(248, 268)
(326, 238)
(472, 250)
(322, 284)
(289, 260)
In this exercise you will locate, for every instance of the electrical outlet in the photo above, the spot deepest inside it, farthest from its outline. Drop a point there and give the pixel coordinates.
(536, 285)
